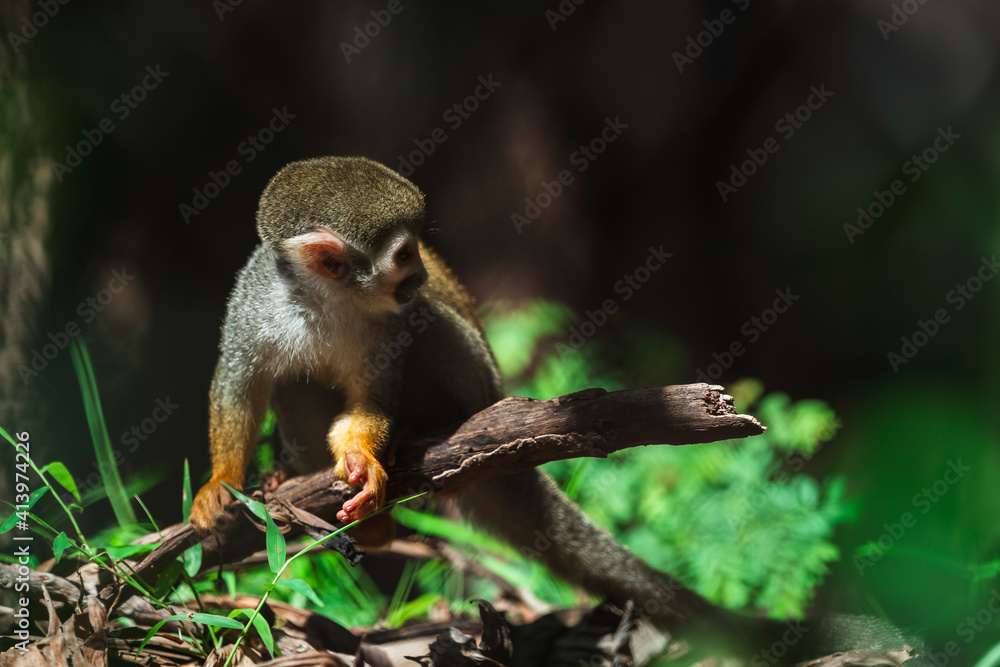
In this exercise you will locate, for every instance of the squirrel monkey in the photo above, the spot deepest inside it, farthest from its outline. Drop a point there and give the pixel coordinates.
(340, 278)
(343, 282)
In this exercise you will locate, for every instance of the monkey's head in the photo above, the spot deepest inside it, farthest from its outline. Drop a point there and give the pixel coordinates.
(349, 226)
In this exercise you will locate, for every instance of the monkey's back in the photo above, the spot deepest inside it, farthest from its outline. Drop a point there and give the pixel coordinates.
(449, 373)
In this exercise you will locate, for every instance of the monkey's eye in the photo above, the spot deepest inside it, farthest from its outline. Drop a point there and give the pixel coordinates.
(404, 254)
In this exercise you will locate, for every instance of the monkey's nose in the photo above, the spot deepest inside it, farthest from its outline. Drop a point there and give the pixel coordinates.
(408, 287)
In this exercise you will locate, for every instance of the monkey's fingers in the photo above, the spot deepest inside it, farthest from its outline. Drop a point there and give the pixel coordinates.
(370, 475)
(358, 507)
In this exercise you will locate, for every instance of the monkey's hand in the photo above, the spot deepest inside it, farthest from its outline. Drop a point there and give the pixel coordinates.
(208, 511)
(357, 438)
(359, 467)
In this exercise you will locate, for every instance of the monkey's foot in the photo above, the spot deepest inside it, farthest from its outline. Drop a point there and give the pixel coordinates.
(208, 511)
(274, 479)
(361, 469)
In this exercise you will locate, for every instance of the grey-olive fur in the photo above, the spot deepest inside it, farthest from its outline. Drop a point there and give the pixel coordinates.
(337, 189)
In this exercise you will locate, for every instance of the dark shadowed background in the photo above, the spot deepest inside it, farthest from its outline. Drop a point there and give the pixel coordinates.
(703, 161)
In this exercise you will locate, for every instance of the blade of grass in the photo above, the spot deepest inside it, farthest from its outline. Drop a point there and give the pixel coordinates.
(192, 557)
(186, 498)
(149, 516)
(33, 498)
(197, 617)
(99, 434)
(60, 544)
(289, 561)
(402, 593)
(991, 659)
(276, 550)
(259, 624)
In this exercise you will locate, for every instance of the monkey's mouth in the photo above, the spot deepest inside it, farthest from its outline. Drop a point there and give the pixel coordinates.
(407, 289)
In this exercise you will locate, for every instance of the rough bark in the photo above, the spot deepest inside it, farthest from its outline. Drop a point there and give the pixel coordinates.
(513, 435)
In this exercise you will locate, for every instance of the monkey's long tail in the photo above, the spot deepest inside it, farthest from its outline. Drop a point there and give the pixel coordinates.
(530, 512)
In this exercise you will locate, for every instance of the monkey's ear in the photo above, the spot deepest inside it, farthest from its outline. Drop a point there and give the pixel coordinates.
(322, 252)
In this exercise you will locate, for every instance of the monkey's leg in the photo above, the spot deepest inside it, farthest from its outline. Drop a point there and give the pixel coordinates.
(304, 412)
(235, 413)
(357, 439)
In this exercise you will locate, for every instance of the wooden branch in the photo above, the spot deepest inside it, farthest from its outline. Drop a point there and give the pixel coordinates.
(63, 591)
(63, 594)
(513, 435)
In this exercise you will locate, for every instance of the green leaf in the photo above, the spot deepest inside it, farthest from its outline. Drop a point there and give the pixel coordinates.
(62, 475)
(36, 495)
(9, 523)
(300, 586)
(33, 498)
(99, 435)
(186, 497)
(166, 580)
(127, 550)
(276, 551)
(259, 624)
(254, 506)
(211, 619)
(60, 544)
(198, 617)
(192, 560)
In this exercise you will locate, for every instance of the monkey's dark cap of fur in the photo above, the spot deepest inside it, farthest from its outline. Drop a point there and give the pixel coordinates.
(359, 199)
